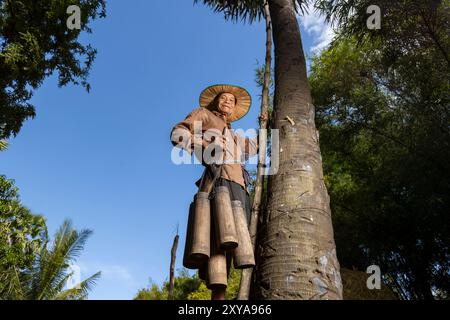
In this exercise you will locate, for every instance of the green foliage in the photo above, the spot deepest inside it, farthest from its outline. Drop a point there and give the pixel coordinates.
(29, 268)
(183, 287)
(21, 235)
(34, 43)
(189, 288)
(202, 293)
(383, 113)
(402, 22)
(51, 270)
(355, 287)
(3, 145)
(152, 293)
(233, 284)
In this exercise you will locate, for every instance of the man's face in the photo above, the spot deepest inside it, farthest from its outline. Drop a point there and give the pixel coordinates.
(227, 102)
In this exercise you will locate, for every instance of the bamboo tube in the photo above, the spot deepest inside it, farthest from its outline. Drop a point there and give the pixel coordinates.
(201, 228)
(243, 255)
(223, 219)
(187, 261)
(216, 276)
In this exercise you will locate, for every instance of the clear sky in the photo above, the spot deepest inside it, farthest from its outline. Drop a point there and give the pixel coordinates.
(103, 159)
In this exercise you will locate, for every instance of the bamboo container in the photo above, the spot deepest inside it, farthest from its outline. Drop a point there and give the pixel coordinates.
(187, 261)
(224, 220)
(216, 275)
(201, 228)
(243, 255)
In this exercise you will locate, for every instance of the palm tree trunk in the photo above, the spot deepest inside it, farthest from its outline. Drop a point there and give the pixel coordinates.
(244, 286)
(297, 255)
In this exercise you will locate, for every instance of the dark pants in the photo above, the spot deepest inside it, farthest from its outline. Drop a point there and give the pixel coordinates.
(237, 192)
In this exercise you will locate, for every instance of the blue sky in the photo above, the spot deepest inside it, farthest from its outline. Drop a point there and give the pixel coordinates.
(103, 159)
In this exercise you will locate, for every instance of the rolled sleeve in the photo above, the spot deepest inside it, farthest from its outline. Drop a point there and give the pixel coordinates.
(183, 135)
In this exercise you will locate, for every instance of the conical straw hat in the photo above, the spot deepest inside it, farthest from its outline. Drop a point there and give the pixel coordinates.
(243, 99)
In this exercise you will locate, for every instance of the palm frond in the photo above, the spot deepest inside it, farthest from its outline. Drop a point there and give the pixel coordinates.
(58, 285)
(79, 291)
(50, 271)
(12, 284)
(246, 10)
(3, 145)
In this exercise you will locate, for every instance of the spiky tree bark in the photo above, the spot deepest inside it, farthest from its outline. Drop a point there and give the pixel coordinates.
(297, 256)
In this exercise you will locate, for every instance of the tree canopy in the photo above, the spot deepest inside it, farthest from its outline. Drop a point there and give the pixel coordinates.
(30, 268)
(35, 42)
(382, 103)
(188, 287)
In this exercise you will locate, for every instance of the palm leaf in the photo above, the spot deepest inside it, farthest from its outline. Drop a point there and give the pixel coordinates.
(81, 290)
(3, 145)
(12, 284)
(245, 10)
(50, 272)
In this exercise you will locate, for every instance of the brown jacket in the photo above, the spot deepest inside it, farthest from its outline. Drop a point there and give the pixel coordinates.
(237, 151)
